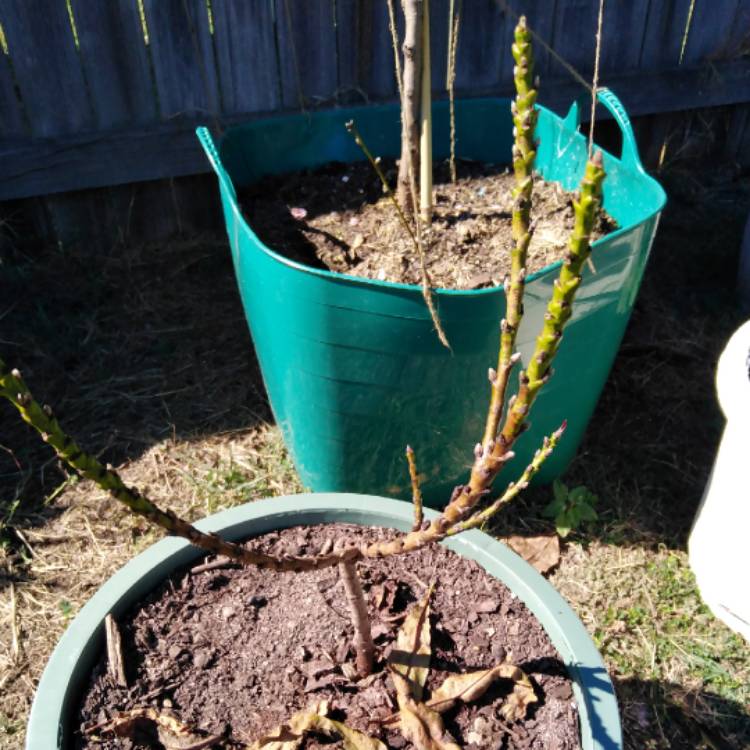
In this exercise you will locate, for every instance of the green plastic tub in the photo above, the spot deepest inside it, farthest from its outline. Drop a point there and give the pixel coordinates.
(67, 672)
(353, 368)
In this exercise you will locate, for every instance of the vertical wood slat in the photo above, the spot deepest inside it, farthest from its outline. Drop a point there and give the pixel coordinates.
(365, 51)
(307, 51)
(47, 67)
(183, 57)
(739, 35)
(574, 36)
(479, 54)
(662, 38)
(353, 49)
(438, 43)
(711, 30)
(115, 61)
(246, 55)
(623, 29)
(12, 119)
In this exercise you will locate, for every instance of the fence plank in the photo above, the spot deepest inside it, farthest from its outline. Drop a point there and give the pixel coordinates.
(12, 119)
(307, 51)
(47, 67)
(479, 55)
(183, 58)
(115, 61)
(711, 30)
(365, 50)
(623, 30)
(30, 167)
(246, 55)
(739, 34)
(354, 50)
(438, 43)
(573, 36)
(662, 39)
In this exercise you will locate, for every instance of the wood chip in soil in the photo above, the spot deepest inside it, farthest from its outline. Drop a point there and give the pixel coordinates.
(337, 217)
(236, 651)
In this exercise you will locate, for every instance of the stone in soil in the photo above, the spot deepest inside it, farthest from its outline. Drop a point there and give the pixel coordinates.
(237, 651)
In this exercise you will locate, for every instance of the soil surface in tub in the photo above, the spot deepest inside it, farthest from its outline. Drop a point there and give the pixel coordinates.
(237, 651)
(337, 217)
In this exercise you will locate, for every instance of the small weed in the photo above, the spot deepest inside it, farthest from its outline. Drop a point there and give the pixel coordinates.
(66, 608)
(570, 508)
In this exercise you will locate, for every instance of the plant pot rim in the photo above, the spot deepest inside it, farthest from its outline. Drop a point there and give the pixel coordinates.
(80, 645)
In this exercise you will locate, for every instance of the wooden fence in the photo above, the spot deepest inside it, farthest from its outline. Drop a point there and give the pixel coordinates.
(96, 94)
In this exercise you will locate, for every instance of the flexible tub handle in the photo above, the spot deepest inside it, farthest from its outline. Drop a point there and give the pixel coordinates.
(207, 141)
(629, 157)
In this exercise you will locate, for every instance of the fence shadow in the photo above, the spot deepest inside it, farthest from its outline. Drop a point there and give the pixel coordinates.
(130, 345)
(664, 714)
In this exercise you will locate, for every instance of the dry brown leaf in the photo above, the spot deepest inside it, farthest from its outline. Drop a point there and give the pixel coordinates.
(514, 708)
(423, 727)
(172, 733)
(542, 552)
(290, 736)
(471, 686)
(411, 656)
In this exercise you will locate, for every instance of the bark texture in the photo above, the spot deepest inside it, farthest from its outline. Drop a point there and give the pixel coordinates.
(412, 49)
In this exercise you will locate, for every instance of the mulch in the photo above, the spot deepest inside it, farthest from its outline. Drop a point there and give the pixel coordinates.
(337, 217)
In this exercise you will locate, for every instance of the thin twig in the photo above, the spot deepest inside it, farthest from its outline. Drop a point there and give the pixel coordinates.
(15, 645)
(454, 22)
(221, 562)
(396, 56)
(26, 544)
(595, 81)
(416, 492)
(416, 238)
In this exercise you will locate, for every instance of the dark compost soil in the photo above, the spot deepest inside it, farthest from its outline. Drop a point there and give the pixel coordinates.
(337, 217)
(236, 651)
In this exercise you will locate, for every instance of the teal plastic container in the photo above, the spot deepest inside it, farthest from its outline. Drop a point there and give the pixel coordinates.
(353, 367)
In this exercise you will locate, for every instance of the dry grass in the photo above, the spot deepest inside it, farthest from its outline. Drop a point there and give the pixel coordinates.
(68, 557)
(145, 353)
(679, 673)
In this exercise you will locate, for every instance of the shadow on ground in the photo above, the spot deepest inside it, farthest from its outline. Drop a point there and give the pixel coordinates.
(664, 715)
(129, 346)
(650, 445)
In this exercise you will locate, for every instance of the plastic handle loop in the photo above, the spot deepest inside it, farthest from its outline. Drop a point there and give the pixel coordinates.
(206, 140)
(629, 158)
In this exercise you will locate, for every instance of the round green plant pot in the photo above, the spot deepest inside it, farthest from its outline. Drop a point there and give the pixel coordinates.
(70, 665)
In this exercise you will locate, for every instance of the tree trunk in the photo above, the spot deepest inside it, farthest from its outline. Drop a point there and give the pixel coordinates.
(412, 48)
